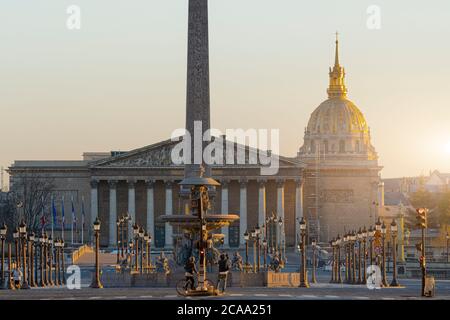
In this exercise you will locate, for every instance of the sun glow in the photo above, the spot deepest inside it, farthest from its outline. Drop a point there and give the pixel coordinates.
(447, 148)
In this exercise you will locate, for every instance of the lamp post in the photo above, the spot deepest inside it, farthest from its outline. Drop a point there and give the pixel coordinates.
(41, 261)
(16, 235)
(303, 278)
(338, 248)
(378, 230)
(150, 253)
(394, 232)
(130, 254)
(371, 234)
(136, 247)
(118, 241)
(353, 242)
(346, 262)
(123, 242)
(3, 231)
(280, 240)
(383, 238)
(246, 238)
(333, 261)
(359, 239)
(447, 237)
(141, 237)
(258, 245)
(31, 238)
(10, 279)
(57, 266)
(23, 233)
(50, 248)
(96, 284)
(146, 240)
(45, 237)
(313, 276)
(63, 262)
(364, 239)
(253, 233)
(265, 253)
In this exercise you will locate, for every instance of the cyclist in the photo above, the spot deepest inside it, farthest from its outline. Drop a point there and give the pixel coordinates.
(190, 269)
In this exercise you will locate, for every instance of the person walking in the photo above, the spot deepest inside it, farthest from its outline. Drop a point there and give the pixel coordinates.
(224, 268)
(17, 277)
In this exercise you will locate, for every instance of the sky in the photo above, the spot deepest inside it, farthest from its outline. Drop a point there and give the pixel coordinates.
(119, 82)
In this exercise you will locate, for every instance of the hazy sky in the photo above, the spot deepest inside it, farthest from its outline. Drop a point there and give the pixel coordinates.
(119, 82)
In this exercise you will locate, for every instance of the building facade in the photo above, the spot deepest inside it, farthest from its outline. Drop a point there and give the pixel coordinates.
(343, 190)
(144, 184)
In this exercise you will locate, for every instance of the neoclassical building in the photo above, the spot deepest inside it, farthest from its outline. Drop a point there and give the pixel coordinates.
(342, 183)
(334, 181)
(144, 183)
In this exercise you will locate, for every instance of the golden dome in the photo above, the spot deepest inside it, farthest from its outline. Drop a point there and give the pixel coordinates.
(337, 116)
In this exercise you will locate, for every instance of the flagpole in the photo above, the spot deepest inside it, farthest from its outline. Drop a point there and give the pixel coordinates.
(63, 218)
(53, 217)
(72, 220)
(82, 219)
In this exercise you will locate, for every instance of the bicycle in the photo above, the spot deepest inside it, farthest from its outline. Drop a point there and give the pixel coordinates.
(183, 286)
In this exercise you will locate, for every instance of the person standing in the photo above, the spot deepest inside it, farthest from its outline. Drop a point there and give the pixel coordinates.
(224, 268)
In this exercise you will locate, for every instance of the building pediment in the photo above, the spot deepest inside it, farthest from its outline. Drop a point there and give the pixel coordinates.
(159, 155)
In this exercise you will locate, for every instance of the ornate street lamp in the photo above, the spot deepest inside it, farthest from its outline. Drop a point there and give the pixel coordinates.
(150, 253)
(347, 264)
(3, 232)
(118, 242)
(303, 278)
(383, 238)
(371, 235)
(10, 281)
(265, 253)
(136, 247)
(333, 261)
(364, 239)
(314, 262)
(31, 238)
(146, 241)
(338, 248)
(359, 239)
(50, 246)
(141, 237)
(394, 231)
(23, 233)
(281, 240)
(353, 242)
(63, 262)
(96, 284)
(258, 245)
(247, 239)
(447, 237)
(253, 235)
(45, 237)
(41, 261)
(16, 236)
(123, 243)
(57, 266)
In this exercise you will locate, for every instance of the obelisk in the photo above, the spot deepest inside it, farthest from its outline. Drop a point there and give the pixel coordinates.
(197, 95)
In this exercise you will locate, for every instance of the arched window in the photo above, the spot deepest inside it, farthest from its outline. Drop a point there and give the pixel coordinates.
(325, 146)
(357, 146)
(313, 147)
(342, 146)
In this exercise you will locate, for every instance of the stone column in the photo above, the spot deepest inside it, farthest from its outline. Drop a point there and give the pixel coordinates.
(131, 206)
(150, 208)
(262, 202)
(280, 209)
(224, 210)
(169, 211)
(112, 212)
(94, 206)
(298, 208)
(243, 212)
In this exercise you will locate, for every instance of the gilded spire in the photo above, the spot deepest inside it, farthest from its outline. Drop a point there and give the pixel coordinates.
(337, 87)
(336, 59)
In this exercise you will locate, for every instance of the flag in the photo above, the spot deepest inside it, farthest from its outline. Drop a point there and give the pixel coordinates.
(62, 213)
(53, 212)
(82, 212)
(74, 217)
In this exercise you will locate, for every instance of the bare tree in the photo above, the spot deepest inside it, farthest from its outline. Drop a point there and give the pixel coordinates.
(30, 201)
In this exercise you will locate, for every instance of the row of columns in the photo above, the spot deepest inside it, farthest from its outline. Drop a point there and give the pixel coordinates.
(169, 206)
